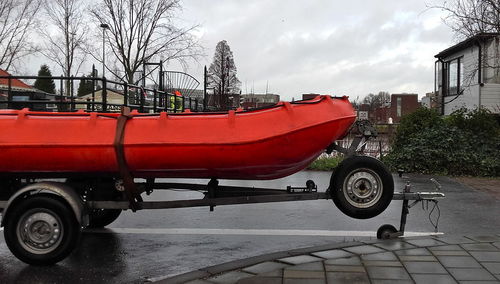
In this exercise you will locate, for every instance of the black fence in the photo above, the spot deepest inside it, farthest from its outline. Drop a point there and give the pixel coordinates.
(104, 96)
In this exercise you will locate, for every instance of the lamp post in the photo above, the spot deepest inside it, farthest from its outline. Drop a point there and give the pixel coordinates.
(104, 27)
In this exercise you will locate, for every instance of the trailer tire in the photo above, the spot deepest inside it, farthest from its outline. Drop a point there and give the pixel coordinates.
(385, 232)
(41, 229)
(102, 189)
(100, 218)
(361, 187)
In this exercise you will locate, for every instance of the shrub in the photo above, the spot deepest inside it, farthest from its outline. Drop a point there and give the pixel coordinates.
(325, 163)
(464, 143)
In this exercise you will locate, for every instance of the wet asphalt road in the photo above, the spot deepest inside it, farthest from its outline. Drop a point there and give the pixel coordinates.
(142, 247)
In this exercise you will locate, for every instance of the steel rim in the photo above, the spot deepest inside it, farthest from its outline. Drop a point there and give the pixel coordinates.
(362, 188)
(40, 231)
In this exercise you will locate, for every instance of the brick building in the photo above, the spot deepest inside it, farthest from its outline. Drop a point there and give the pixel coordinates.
(248, 101)
(402, 104)
(309, 96)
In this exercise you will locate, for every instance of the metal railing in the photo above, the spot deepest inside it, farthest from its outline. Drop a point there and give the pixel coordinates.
(144, 100)
(376, 147)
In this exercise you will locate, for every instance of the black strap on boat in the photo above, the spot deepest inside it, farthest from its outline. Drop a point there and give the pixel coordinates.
(131, 191)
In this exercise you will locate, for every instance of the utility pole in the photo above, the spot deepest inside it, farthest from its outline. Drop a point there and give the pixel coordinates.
(104, 27)
(205, 88)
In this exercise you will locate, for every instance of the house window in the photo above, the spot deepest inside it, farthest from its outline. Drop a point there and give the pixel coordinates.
(454, 77)
(20, 98)
(438, 77)
(398, 107)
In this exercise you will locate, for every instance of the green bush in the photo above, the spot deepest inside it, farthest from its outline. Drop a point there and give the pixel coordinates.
(463, 143)
(325, 163)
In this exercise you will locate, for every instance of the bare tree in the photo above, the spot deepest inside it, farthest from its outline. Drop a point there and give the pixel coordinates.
(470, 17)
(17, 20)
(356, 103)
(64, 44)
(479, 19)
(222, 75)
(378, 100)
(143, 31)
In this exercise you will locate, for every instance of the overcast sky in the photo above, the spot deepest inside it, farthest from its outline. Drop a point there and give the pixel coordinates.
(330, 47)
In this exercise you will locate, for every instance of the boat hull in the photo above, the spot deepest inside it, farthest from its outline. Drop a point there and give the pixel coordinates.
(262, 144)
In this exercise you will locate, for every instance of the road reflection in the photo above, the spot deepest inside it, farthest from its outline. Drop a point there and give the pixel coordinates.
(98, 257)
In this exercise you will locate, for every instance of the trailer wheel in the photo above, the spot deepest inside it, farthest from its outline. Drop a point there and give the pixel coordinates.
(361, 187)
(385, 232)
(99, 218)
(102, 189)
(41, 229)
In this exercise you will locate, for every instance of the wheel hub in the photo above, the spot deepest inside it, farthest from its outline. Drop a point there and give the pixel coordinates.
(363, 188)
(39, 232)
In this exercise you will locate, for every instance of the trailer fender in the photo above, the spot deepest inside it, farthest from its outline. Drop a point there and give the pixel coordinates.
(67, 193)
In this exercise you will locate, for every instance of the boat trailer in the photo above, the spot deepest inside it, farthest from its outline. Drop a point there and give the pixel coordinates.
(218, 195)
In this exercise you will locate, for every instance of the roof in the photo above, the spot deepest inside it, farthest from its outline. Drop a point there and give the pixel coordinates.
(15, 83)
(404, 94)
(466, 43)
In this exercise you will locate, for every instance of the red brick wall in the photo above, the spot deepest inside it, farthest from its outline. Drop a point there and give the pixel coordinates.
(408, 104)
(309, 96)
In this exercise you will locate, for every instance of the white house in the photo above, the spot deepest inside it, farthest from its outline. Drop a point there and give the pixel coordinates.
(113, 98)
(468, 74)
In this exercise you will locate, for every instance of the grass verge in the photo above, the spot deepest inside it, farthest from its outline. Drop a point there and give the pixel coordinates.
(325, 163)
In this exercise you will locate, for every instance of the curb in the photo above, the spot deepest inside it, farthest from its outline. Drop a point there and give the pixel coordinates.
(420, 242)
(237, 264)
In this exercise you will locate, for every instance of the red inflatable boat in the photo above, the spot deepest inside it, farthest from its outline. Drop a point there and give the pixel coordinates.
(267, 143)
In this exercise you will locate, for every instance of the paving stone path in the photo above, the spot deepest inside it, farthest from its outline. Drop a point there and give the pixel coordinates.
(444, 259)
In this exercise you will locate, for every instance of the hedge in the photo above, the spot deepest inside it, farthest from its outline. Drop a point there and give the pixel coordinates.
(463, 143)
